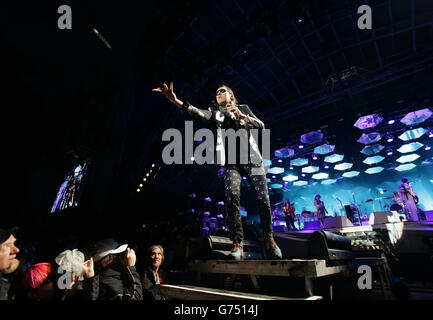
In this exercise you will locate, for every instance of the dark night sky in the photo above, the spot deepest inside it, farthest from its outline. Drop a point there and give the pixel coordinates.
(65, 91)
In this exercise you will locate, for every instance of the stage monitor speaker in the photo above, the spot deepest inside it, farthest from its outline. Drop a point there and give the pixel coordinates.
(329, 246)
(381, 217)
(337, 222)
(214, 247)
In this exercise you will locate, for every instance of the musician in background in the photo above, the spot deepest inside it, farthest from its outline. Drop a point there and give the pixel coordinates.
(409, 199)
(289, 213)
(321, 210)
(275, 213)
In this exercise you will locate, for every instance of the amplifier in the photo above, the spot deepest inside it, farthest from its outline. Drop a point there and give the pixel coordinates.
(329, 246)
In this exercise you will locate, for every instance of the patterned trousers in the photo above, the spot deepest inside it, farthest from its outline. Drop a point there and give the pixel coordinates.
(232, 185)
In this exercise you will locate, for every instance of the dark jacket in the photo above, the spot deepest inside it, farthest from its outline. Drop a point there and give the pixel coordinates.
(119, 283)
(150, 288)
(4, 288)
(216, 116)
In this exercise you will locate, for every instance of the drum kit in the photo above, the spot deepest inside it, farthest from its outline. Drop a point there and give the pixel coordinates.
(389, 203)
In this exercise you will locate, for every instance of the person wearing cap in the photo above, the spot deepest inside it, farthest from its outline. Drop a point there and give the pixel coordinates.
(115, 268)
(152, 277)
(8, 252)
(409, 199)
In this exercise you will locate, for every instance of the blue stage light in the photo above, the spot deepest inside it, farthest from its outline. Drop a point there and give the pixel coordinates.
(374, 170)
(300, 183)
(334, 158)
(351, 174)
(343, 166)
(299, 162)
(276, 170)
(373, 160)
(408, 158)
(320, 176)
(324, 149)
(410, 147)
(405, 167)
(369, 121)
(412, 134)
(310, 169)
(329, 181)
(290, 178)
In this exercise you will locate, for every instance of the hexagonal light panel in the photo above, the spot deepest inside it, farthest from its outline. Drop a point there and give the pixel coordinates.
(300, 183)
(290, 178)
(329, 181)
(298, 162)
(412, 134)
(372, 149)
(373, 160)
(276, 186)
(351, 174)
(416, 117)
(408, 158)
(369, 121)
(276, 170)
(410, 147)
(405, 167)
(368, 138)
(320, 176)
(334, 158)
(284, 153)
(312, 137)
(343, 166)
(267, 163)
(310, 169)
(374, 170)
(324, 149)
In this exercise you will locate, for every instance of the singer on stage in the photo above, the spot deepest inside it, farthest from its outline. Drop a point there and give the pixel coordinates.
(226, 113)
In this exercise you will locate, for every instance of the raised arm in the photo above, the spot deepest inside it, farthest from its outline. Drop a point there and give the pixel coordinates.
(184, 106)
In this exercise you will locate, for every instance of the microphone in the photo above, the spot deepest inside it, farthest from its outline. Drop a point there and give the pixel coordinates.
(223, 110)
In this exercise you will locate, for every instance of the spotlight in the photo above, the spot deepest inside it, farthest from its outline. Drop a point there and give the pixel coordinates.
(153, 165)
(301, 146)
(391, 121)
(144, 179)
(244, 178)
(314, 156)
(138, 190)
(430, 132)
(326, 165)
(140, 185)
(389, 137)
(427, 148)
(389, 152)
(147, 174)
(279, 160)
(299, 20)
(192, 158)
(291, 168)
(273, 177)
(303, 174)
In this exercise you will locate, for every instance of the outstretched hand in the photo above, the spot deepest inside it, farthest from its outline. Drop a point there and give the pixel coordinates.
(166, 91)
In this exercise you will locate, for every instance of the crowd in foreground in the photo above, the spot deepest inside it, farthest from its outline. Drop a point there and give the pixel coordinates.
(109, 273)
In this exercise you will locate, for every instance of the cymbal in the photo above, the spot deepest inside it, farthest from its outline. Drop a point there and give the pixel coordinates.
(369, 200)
